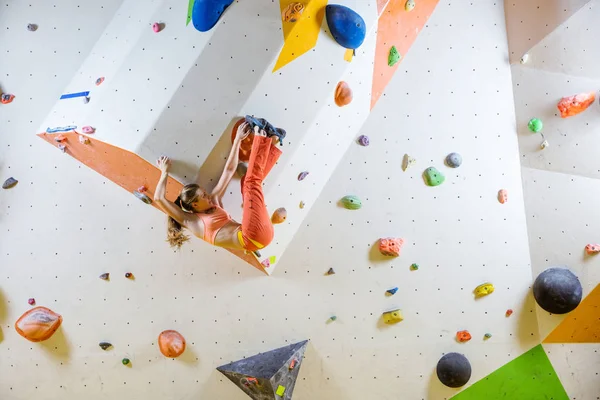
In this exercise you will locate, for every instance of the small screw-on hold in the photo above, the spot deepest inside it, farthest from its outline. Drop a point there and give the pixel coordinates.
(392, 291)
(333, 318)
(125, 361)
(105, 345)
(525, 58)
(544, 144)
(104, 276)
(487, 336)
(363, 140)
(330, 271)
(99, 81)
(31, 301)
(142, 189)
(156, 27)
(84, 139)
(414, 267)
(62, 148)
(302, 175)
(128, 275)
(509, 312)
(86, 99)
(142, 197)
(6, 98)
(32, 27)
(302, 205)
(9, 183)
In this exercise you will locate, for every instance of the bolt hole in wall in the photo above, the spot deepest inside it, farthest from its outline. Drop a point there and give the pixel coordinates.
(401, 226)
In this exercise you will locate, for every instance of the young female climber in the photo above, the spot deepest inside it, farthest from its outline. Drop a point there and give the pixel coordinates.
(202, 213)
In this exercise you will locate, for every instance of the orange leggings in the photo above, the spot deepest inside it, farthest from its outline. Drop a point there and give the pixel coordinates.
(257, 230)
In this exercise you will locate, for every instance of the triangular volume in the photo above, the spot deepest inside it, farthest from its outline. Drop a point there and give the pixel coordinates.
(270, 375)
(530, 376)
(582, 325)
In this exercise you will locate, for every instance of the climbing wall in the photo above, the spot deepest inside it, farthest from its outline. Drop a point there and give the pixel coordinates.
(64, 224)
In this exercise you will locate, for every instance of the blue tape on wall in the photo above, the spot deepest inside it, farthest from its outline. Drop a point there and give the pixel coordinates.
(72, 95)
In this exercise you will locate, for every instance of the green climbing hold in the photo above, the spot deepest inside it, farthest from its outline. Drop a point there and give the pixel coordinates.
(351, 202)
(394, 56)
(535, 125)
(125, 361)
(487, 336)
(433, 177)
(414, 266)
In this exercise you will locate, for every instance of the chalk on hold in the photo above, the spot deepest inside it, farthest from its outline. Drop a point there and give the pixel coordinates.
(453, 160)
(156, 27)
(393, 316)
(410, 5)
(104, 276)
(99, 81)
(125, 361)
(363, 140)
(104, 345)
(10, 183)
(88, 130)
(302, 175)
(279, 216)
(38, 324)
(6, 98)
(330, 271)
(524, 58)
(393, 57)
(407, 162)
(292, 12)
(502, 196)
(463, 336)
(433, 177)
(576, 104)
(557, 290)
(351, 202)
(343, 94)
(535, 125)
(171, 343)
(32, 27)
(391, 291)
(592, 249)
(453, 370)
(390, 246)
(544, 144)
(484, 289)
(206, 13)
(346, 26)
(142, 197)
(31, 301)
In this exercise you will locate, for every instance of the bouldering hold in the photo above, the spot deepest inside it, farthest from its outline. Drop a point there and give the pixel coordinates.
(86, 99)
(6, 98)
(346, 26)
(414, 267)
(453, 160)
(10, 183)
(393, 57)
(557, 290)
(544, 144)
(463, 336)
(156, 27)
(524, 58)
(363, 140)
(60, 138)
(292, 12)
(88, 130)
(535, 125)
(104, 345)
(206, 13)
(104, 276)
(343, 94)
(333, 318)
(302, 205)
(410, 5)
(142, 197)
(267, 262)
(502, 196)
(392, 317)
(125, 361)
(330, 271)
(487, 336)
(99, 81)
(62, 148)
(257, 253)
(592, 249)
(279, 216)
(38, 324)
(573, 105)
(83, 139)
(390, 246)
(128, 275)
(433, 177)
(392, 291)
(408, 162)
(292, 365)
(32, 27)
(171, 343)
(351, 202)
(241, 169)
(142, 189)
(31, 301)
(508, 313)
(302, 175)
(484, 289)
(280, 391)
(453, 370)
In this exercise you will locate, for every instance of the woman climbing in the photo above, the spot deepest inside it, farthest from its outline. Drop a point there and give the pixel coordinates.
(202, 213)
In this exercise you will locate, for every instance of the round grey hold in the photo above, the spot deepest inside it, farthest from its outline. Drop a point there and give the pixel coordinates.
(557, 290)
(453, 160)
(454, 370)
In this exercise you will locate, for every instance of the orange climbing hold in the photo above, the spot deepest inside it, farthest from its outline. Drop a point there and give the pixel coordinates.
(279, 216)
(171, 343)
(292, 12)
(463, 336)
(502, 196)
(390, 246)
(573, 105)
(38, 324)
(343, 94)
(592, 249)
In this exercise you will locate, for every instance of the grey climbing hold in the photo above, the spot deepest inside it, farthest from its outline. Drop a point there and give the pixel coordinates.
(32, 27)
(104, 345)
(302, 175)
(454, 370)
(104, 276)
(86, 99)
(557, 290)
(453, 160)
(433, 177)
(330, 271)
(142, 197)
(9, 183)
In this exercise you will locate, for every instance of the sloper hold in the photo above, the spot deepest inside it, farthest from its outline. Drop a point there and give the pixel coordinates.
(394, 56)
(346, 26)
(262, 375)
(206, 13)
(38, 324)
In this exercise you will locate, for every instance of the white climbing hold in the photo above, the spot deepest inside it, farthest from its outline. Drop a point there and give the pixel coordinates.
(544, 144)
(408, 162)
(83, 139)
(525, 58)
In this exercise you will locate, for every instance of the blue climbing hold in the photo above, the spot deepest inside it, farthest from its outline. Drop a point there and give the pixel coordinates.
(206, 13)
(346, 26)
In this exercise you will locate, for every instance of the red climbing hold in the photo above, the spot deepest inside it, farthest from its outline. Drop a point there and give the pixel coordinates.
(592, 249)
(573, 105)
(99, 81)
(509, 312)
(31, 301)
(463, 336)
(6, 98)
(390, 246)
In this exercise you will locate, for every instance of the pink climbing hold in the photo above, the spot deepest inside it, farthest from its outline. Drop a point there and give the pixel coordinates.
(31, 301)
(390, 246)
(156, 27)
(60, 138)
(88, 130)
(502, 196)
(142, 189)
(592, 249)
(99, 81)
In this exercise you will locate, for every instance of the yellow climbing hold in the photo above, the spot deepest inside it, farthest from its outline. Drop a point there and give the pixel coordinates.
(392, 317)
(484, 289)
(280, 390)
(348, 55)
